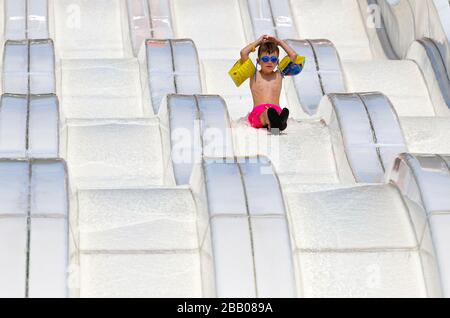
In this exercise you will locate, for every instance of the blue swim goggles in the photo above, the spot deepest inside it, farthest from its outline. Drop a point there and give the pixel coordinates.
(266, 59)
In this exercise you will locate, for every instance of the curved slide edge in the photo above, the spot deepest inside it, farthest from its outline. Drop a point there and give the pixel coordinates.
(244, 225)
(417, 34)
(29, 126)
(271, 17)
(148, 19)
(15, 67)
(376, 29)
(139, 23)
(26, 19)
(407, 21)
(15, 19)
(173, 67)
(426, 53)
(38, 223)
(425, 181)
(29, 67)
(366, 135)
(194, 126)
(322, 74)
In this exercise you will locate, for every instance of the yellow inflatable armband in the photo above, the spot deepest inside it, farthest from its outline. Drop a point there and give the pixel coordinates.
(240, 72)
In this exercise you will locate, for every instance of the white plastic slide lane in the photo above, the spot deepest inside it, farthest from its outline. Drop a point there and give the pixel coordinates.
(100, 77)
(173, 67)
(246, 233)
(426, 134)
(424, 180)
(220, 20)
(34, 222)
(431, 136)
(114, 153)
(360, 242)
(101, 88)
(339, 21)
(195, 126)
(366, 135)
(401, 81)
(29, 127)
(261, 18)
(149, 251)
(91, 29)
(303, 154)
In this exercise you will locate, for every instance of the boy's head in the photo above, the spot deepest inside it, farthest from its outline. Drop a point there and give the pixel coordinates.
(267, 53)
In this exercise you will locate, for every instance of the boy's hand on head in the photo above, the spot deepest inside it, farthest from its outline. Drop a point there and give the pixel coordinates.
(272, 39)
(262, 39)
(245, 52)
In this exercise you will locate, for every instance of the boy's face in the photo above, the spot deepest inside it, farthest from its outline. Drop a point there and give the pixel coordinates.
(270, 65)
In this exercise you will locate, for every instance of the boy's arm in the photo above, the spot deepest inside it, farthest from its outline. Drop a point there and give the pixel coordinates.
(290, 52)
(245, 52)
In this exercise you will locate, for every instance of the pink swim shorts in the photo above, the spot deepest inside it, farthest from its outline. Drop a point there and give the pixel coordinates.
(255, 115)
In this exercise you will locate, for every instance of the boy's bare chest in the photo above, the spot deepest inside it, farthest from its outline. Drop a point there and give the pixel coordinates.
(262, 85)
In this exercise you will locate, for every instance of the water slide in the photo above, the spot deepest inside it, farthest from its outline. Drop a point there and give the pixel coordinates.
(34, 204)
(124, 109)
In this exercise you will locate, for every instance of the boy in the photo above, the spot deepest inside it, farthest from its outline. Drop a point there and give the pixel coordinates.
(265, 84)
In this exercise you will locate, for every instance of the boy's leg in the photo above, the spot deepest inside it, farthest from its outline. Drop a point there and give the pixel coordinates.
(284, 115)
(278, 120)
(274, 118)
(254, 118)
